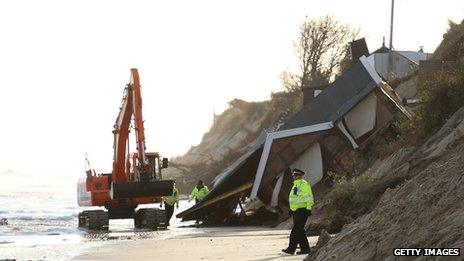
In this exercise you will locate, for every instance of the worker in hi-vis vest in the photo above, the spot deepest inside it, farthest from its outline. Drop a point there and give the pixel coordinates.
(301, 202)
(199, 192)
(169, 202)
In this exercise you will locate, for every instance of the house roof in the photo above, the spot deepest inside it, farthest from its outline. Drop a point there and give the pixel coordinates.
(382, 49)
(221, 182)
(413, 56)
(238, 175)
(338, 98)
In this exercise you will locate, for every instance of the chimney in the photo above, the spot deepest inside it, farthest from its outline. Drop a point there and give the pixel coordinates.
(358, 48)
(309, 93)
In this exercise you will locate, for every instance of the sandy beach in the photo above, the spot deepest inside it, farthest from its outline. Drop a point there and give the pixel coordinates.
(213, 244)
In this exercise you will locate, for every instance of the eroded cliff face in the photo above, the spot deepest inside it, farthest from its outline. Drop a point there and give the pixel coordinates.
(229, 137)
(426, 210)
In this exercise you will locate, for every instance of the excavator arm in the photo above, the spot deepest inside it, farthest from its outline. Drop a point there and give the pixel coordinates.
(138, 118)
(131, 106)
(121, 136)
(122, 184)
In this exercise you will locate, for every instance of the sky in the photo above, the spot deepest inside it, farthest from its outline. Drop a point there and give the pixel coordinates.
(64, 64)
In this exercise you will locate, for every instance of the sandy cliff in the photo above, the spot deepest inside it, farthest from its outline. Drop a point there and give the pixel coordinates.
(229, 137)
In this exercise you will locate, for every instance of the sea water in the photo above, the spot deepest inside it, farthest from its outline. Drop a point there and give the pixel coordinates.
(42, 220)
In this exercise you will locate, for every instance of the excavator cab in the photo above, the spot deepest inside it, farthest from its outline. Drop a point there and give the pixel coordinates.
(144, 182)
(157, 164)
(165, 163)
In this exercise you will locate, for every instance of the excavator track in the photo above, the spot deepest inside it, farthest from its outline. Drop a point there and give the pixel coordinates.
(94, 220)
(150, 218)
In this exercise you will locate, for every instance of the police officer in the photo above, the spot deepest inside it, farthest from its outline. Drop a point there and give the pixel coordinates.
(169, 202)
(199, 192)
(301, 201)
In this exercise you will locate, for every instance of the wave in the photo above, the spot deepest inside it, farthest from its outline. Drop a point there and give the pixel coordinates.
(26, 211)
(61, 230)
(43, 218)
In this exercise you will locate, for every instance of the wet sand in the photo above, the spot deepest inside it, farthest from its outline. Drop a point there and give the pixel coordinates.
(212, 244)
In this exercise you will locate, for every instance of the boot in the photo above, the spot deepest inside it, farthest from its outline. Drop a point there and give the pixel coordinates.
(288, 251)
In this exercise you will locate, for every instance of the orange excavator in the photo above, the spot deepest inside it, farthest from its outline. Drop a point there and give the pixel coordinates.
(135, 179)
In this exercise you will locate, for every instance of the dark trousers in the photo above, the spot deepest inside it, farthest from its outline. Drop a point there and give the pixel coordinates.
(196, 202)
(169, 211)
(298, 234)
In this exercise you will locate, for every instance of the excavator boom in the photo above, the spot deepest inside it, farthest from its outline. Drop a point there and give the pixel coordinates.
(138, 118)
(131, 106)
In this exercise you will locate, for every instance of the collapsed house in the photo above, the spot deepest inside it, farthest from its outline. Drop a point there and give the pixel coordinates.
(345, 116)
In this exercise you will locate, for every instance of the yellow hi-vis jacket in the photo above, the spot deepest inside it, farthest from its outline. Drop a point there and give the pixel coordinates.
(301, 195)
(199, 194)
(173, 199)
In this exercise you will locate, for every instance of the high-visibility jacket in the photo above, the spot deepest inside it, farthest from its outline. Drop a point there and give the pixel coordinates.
(173, 199)
(301, 195)
(199, 194)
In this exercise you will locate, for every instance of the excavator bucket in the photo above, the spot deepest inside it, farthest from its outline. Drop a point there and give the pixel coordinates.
(139, 189)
